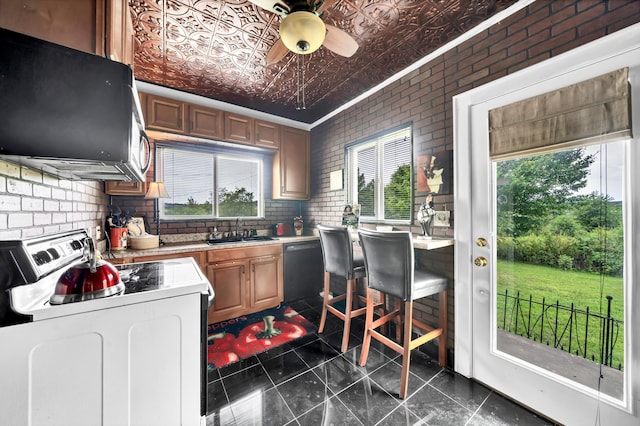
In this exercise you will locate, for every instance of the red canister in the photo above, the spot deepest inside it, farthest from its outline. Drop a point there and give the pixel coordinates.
(118, 238)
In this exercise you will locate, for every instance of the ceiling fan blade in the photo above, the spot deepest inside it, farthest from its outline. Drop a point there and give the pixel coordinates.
(339, 42)
(325, 5)
(274, 6)
(277, 52)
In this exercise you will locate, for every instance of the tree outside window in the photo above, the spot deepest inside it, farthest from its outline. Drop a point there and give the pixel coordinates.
(379, 173)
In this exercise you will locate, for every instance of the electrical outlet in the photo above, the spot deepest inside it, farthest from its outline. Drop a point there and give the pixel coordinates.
(98, 234)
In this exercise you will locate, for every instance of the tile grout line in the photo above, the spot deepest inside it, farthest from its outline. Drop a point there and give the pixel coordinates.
(479, 407)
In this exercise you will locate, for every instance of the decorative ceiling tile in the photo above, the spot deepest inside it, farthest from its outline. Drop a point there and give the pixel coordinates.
(218, 48)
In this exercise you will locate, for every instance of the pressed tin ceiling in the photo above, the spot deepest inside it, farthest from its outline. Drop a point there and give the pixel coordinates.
(217, 49)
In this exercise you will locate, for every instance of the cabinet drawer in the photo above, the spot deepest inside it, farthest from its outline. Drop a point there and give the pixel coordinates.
(221, 255)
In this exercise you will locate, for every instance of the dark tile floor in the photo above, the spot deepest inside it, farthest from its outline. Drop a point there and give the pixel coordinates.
(309, 382)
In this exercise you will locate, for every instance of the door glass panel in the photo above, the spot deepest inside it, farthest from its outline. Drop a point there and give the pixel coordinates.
(559, 295)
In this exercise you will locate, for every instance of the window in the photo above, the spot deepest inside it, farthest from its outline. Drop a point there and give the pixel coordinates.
(379, 175)
(208, 184)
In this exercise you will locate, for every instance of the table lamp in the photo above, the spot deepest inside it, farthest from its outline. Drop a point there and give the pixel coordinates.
(155, 191)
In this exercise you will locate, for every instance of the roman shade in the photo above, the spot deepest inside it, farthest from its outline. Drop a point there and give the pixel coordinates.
(589, 112)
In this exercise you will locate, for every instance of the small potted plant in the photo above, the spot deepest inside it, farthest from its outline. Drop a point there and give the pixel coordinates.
(297, 225)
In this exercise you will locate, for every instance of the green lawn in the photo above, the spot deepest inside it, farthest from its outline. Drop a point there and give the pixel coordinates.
(584, 290)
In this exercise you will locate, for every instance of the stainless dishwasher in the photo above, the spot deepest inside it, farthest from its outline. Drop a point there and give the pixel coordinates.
(303, 270)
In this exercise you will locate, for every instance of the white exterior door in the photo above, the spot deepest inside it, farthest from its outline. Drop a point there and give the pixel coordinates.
(538, 374)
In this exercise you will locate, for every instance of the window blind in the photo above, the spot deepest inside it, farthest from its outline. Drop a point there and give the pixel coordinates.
(592, 111)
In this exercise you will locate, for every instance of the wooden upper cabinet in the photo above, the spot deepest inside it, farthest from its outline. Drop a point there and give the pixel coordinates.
(73, 23)
(291, 165)
(267, 135)
(238, 128)
(206, 122)
(174, 116)
(102, 27)
(138, 189)
(165, 114)
(120, 37)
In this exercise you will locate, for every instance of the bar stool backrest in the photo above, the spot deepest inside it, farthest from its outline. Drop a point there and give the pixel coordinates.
(337, 251)
(388, 259)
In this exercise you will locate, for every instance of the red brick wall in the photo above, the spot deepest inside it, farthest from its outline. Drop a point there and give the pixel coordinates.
(538, 32)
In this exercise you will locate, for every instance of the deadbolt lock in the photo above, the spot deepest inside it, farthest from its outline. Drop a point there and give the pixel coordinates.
(481, 242)
(480, 261)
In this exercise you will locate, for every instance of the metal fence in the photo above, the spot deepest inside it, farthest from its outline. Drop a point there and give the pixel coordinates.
(581, 332)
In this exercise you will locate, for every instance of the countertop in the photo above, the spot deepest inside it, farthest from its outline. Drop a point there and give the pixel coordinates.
(432, 243)
(184, 247)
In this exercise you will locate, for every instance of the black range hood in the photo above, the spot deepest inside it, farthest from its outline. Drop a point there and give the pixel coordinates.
(69, 113)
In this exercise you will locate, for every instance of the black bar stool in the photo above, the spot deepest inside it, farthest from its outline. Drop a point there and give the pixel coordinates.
(339, 260)
(389, 261)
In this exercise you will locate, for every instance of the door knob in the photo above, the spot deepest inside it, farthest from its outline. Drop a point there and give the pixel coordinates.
(481, 242)
(480, 261)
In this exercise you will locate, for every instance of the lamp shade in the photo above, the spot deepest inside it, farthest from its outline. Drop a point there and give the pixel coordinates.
(156, 190)
(302, 32)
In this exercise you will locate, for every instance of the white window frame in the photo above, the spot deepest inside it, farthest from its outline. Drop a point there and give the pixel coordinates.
(216, 155)
(351, 160)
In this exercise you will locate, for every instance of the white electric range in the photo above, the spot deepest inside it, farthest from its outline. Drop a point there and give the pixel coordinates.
(135, 357)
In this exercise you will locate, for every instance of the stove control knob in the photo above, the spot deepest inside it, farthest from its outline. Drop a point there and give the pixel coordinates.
(42, 257)
(76, 244)
(54, 253)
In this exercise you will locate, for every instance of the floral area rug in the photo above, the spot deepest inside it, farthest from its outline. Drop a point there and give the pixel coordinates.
(238, 338)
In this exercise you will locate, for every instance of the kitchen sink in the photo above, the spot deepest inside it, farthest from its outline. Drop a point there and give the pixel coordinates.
(228, 240)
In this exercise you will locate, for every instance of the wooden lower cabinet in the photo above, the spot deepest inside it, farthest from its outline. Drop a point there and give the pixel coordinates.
(228, 280)
(245, 280)
(264, 289)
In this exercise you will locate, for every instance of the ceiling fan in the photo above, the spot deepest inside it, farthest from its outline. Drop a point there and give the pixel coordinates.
(302, 31)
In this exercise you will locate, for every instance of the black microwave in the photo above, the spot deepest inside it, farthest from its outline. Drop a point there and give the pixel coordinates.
(69, 113)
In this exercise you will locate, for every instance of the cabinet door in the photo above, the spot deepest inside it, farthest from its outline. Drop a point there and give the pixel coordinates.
(165, 114)
(266, 282)
(119, 32)
(228, 282)
(125, 188)
(291, 166)
(238, 128)
(267, 134)
(206, 122)
(78, 24)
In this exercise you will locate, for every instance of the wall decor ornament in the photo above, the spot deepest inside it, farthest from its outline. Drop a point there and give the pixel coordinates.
(351, 216)
(434, 173)
(441, 219)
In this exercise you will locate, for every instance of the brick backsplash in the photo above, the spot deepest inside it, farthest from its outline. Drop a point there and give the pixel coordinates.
(33, 203)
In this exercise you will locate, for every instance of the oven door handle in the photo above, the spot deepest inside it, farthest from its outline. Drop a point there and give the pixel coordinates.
(211, 295)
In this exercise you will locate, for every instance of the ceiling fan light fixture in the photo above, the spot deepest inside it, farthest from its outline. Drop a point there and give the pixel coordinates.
(302, 32)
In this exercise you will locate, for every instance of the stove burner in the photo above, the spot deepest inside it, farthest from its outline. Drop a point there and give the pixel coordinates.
(141, 277)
